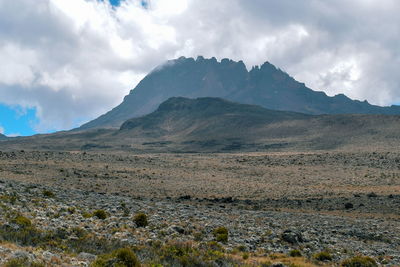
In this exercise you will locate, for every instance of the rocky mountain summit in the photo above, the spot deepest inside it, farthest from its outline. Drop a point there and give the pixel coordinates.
(263, 85)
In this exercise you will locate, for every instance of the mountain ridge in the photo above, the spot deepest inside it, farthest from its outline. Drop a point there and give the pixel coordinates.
(263, 85)
(216, 125)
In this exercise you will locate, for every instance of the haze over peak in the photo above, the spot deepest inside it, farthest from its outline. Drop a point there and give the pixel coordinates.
(263, 85)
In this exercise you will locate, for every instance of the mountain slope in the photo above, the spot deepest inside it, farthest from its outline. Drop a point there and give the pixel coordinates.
(266, 86)
(216, 125)
(213, 124)
(205, 118)
(3, 137)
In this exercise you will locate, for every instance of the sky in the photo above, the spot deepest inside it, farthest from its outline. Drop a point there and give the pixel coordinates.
(65, 62)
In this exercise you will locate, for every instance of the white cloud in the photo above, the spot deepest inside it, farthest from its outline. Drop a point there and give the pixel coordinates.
(76, 59)
(1, 130)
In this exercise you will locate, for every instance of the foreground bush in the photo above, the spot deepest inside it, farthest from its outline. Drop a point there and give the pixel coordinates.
(47, 193)
(359, 261)
(22, 263)
(221, 234)
(22, 221)
(180, 253)
(323, 256)
(295, 253)
(140, 220)
(28, 235)
(123, 257)
(101, 214)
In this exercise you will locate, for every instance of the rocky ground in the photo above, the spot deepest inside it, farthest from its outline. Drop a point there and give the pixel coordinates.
(48, 200)
(66, 214)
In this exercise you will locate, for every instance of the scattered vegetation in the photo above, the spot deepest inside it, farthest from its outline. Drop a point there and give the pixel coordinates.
(17, 262)
(86, 214)
(295, 253)
(48, 193)
(101, 214)
(359, 261)
(221, 234)
(198, 236)
(29, 235)
(178, 253)
(323, 256)
(9, 198)
(123, 257)
(22, 221)
(140, 220)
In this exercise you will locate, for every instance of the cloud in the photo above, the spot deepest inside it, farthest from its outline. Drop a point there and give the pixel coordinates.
(1, 130)
(74, 60)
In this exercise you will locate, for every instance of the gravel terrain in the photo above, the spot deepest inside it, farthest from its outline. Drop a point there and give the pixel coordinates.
(59, 191)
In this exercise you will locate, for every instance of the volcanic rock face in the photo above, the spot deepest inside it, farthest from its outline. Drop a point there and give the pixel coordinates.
(266, 86)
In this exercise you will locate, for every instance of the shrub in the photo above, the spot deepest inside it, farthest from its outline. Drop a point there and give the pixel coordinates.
(141, 220)
(22, 262)
(323, 256)
(123, 257)
(213, 245)
(16, 263)
(22, 221)
(245, 255)
(86, 214)
(127, 257)
(24, 235)
(221, 234)
(11, 199)
(47, 193)
(198, 236)
(101, 214)
(295, 253)
(37, 264)
(177, 253)
(359, 261)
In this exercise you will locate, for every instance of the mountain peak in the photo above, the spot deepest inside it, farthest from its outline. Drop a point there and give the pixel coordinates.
(266, 86)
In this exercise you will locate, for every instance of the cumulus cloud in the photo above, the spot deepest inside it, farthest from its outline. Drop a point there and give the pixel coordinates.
(1, 130)
(73, 60)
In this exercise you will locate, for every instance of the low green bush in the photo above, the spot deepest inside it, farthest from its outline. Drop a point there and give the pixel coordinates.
(22, 263)
(22, 221)
(48, 193)
(101, 214)
(323, 256)
(221, 234)
(123, 257)
(359, 261)
(140, 220)
(295, 253)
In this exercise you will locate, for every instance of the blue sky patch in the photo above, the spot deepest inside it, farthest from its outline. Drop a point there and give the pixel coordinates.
(144, 3)
(115, 2)
(16, 120)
